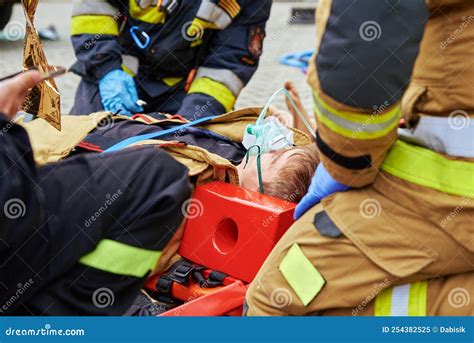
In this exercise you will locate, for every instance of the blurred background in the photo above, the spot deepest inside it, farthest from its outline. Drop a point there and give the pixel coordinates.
(290, 29)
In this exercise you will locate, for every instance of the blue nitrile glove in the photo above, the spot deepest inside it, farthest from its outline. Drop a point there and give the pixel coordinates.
(322, 185)
(119, 93)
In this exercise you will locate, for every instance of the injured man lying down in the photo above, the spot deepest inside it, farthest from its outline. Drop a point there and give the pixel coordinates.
(279, 161)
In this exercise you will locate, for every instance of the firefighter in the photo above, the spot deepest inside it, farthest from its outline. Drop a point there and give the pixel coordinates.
(80, 236)
(171, 56)
(382, 209)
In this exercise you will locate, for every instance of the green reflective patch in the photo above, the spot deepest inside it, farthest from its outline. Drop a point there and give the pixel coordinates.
(303, 277)
(119, 258)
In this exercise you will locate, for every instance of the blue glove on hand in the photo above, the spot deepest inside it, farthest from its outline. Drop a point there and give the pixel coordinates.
(322, 185)
(119, 93)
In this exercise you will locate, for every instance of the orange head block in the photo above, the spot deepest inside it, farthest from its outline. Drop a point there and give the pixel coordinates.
(233, 230)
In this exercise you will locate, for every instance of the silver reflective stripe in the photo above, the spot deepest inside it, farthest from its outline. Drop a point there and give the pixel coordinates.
(131, 63)
(353, 126)
(451, 136)
(94, 7)
(400, 298)
(212, 13)
(224, 76)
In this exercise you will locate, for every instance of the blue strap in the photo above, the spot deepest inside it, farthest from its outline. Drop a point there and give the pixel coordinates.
(139, 138)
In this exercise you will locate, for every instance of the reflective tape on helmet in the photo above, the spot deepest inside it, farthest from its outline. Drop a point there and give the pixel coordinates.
(94, 7)
(301, 274)
(224, 76)
(356, 125)
(403, 300)
(119, 258)
(430, 169)
(214, 89)
(94, 24)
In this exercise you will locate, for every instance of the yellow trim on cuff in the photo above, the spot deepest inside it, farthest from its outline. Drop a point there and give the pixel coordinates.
(94, 25)
(217, 90)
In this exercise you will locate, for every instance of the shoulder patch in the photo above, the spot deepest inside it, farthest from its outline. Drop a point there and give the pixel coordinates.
(326, 226)
(255, 40)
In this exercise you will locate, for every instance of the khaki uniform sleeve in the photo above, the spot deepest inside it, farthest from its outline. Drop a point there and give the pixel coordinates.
(362, 65)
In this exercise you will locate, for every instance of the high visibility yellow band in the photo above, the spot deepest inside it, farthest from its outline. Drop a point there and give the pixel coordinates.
(119, 258)
(172, 81)
(356, 125)
(403, 300)
(149, 15)
(94, 25)
(428, 168)
(301, 275)
(215, 89)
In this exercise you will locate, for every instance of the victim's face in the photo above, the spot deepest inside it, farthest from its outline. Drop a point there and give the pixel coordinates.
(271, 164)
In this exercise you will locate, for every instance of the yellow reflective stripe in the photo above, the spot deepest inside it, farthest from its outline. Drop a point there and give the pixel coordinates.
(427, 168)
(383, 303)
(149, 15)
(94, 24)
(356, 125)
(215, 89)
(119, 258)
(301, 274)
(171, 81)
(417, 299)
(413, 298)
